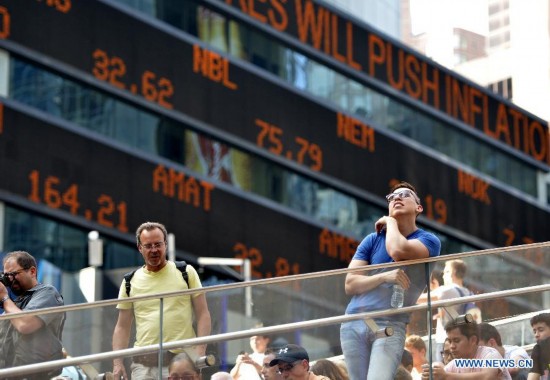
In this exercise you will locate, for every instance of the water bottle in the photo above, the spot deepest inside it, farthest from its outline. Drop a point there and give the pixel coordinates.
(397, 296)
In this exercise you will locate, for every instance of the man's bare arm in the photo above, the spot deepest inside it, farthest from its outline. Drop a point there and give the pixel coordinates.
(121, 339)
(358, 283)
(204, 322)
(24, 325)
(397, 245)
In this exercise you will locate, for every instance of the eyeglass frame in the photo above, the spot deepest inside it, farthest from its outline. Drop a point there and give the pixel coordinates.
(401, 194)
(150, 246)
(292, 365)
(14, 274)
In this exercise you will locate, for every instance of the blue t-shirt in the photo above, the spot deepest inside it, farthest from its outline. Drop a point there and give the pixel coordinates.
(373, 250)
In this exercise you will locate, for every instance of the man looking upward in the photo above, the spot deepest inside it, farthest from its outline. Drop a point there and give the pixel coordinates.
(397, 238)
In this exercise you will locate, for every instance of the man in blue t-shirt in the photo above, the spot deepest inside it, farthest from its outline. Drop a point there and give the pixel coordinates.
(397, 238)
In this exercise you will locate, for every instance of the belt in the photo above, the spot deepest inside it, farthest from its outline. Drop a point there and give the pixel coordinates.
(151, 360)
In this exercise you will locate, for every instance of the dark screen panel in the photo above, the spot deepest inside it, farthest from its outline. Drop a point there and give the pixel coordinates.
(180, 74)
(363, 50)
(63, 170)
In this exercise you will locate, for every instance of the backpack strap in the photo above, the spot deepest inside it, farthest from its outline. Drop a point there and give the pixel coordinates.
(127, 278)
(181, 265)
(466, 306)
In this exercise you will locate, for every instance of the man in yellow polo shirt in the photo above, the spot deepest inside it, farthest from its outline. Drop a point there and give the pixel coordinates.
(158, 275)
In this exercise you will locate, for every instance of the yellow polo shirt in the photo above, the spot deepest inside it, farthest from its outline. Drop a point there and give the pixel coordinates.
(178, 311)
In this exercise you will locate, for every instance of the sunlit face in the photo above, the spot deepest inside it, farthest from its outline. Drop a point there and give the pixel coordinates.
(294, 371)
(541, 331)
(446, 353)
(419, 356)
(403, 200)
(153, 249)
(461, 346)
(448, 274)
(21, 279)
(270, 373)
(258, 343)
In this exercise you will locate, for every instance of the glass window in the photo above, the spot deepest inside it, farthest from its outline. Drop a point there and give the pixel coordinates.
(62, 245)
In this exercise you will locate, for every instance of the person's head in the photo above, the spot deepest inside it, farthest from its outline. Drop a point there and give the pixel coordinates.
(446, 354)
(402, 374)
(489, 335)
(182, 367)
(341, 363)
(454, 270)
(268, 372)
(292, 362)
(403, 200)
(21, 271)
(259, 343)
(436, 279)
(328, 368)
(464, 339)
(407, 360)
(151, 239)
(541, 326)
(221, 376)
(417, 347)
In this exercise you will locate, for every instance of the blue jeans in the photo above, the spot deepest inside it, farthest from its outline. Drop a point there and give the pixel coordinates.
(359, 347)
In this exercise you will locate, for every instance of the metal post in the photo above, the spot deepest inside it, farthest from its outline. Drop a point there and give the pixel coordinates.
(95, 249)
(171, 247)
(246, 270)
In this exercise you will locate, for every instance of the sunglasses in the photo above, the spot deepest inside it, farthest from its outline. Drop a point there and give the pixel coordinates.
(288, 368)
(402, 195)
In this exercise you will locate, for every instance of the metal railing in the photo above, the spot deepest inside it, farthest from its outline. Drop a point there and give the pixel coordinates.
(282, 327)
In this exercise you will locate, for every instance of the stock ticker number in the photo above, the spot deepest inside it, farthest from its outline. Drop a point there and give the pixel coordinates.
(112, 69)
(307, 153)
(50, 191)
(282, 266)
(63, 6)
(5, 23)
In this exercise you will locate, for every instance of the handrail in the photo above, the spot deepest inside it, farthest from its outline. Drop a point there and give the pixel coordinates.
(266, 330)
(273, 329)
(276, 280)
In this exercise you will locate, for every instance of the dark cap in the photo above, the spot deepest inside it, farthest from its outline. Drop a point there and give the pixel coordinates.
(289, 354)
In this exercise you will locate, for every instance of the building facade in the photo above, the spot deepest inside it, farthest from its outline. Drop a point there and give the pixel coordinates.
(261, 130)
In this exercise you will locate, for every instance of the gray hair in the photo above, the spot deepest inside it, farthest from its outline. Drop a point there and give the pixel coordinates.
(149, 226)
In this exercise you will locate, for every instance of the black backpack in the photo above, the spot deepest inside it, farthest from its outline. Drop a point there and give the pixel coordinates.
(181, 265)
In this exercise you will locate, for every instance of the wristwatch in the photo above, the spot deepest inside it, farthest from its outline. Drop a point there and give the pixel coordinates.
(4, 300)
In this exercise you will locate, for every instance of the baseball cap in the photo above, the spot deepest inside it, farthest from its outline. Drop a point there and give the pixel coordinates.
(289, 354)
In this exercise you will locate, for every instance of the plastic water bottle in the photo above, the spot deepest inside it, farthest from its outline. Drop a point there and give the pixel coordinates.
(397, 296)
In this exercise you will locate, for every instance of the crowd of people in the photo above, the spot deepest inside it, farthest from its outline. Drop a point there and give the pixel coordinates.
(367, 354)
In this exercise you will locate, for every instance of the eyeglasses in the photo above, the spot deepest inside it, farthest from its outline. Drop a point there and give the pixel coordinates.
(288, 368)
(401, 194)
(445, 353)
(13, 274)
(182, 377)
(156, 245)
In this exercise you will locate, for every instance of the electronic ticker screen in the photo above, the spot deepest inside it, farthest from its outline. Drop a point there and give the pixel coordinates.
(177, 72)
(53, 166)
